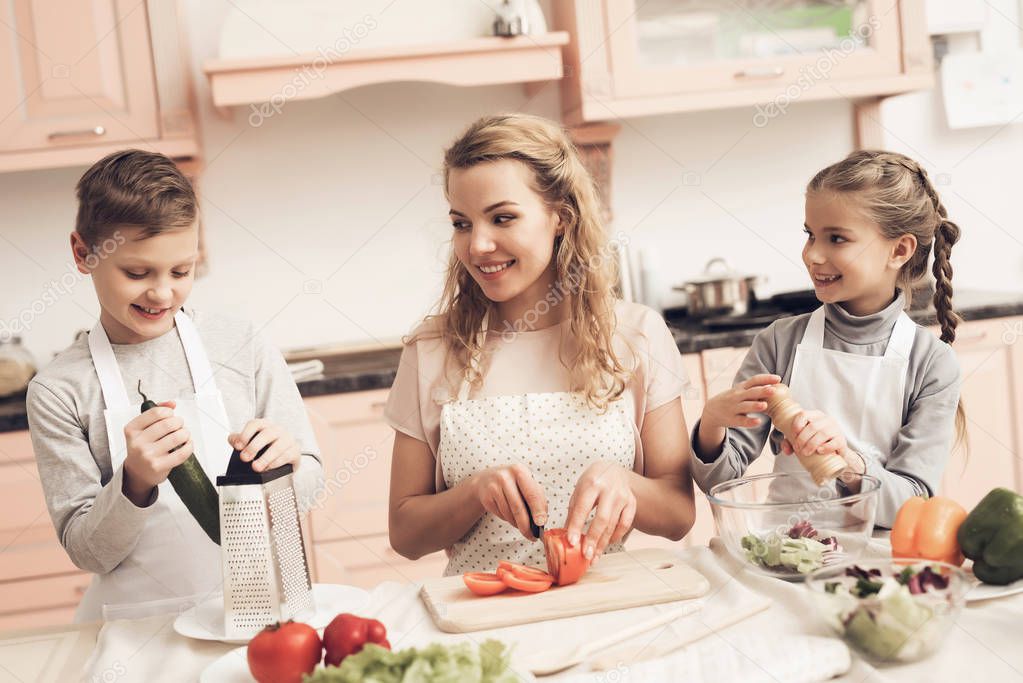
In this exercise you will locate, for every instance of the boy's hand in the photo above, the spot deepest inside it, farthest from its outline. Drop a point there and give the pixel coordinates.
(733, 408)
(259, 433)
(150, 438)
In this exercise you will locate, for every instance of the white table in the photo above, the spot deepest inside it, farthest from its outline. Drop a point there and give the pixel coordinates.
(986, 643)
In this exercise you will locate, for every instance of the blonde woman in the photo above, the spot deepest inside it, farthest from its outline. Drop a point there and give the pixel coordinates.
(533, 390)
(879, 390)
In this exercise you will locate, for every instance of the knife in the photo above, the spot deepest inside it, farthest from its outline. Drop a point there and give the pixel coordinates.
(534, 528)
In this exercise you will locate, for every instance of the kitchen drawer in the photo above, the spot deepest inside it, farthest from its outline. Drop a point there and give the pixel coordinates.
(22, 497)
(32, 552)
(365, 562)
(46, 593)
(58, 616)
(16, 447)
(350, 408)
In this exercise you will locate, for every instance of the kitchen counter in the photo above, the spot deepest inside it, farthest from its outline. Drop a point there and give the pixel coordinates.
(979, 646)
(374, 368)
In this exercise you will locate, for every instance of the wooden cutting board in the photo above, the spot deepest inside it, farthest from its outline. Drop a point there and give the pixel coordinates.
(627, 579)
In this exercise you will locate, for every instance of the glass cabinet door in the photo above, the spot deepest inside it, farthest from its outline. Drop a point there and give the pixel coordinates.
(665, 46)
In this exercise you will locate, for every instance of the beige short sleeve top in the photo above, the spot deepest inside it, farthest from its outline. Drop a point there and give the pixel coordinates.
(529, 362)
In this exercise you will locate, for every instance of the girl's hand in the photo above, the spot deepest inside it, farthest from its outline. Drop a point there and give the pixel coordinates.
(815, 434)
(734, 408)
(604, 485)
(259, 433)
(506, 490)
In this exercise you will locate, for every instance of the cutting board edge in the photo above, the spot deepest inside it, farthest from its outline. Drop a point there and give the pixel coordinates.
(449, 626)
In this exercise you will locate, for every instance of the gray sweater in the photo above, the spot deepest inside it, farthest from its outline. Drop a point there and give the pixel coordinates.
(917, 461)
(95, 522)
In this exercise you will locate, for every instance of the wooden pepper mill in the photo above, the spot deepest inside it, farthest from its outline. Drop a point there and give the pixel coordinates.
(782, 410)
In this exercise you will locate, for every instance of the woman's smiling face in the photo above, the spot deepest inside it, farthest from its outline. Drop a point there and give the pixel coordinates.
(849, 260)
(504, 231)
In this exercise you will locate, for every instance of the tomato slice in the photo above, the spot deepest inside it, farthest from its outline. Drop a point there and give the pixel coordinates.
(523, 571)
(565, 562)
(484, 583)
(519, 583)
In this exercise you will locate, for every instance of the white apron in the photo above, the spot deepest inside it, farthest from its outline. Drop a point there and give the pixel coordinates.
(864, 394)
(175, 564)
(556, 435)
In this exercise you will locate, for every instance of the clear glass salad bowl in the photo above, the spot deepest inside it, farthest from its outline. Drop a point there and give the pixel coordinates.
(890, 610)
(777, 525)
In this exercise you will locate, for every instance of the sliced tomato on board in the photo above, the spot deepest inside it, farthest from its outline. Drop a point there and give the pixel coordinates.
(523, 571)
(484, 583)
(526, 585)
(565, 562)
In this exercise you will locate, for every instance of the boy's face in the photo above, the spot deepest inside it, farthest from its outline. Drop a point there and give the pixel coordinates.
(140, 283)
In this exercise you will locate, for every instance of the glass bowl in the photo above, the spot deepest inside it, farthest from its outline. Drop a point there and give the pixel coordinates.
(894, 624)
(782, 525)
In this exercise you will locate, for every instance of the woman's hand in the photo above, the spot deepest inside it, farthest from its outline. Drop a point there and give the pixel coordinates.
(256, 435)
(506, 490)
(603, 486)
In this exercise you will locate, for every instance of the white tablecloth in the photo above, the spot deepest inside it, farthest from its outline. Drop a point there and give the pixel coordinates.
(783, 643)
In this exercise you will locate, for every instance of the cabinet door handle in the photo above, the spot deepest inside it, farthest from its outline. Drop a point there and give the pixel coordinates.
(97, 131)
(761, 72)
(378, 405)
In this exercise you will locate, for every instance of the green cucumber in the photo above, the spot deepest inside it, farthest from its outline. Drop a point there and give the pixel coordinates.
(194, 488)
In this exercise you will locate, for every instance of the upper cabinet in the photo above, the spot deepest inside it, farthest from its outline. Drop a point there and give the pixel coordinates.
(633, 58)
(81, 79)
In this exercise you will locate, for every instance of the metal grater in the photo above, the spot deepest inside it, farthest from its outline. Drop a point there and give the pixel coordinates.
(266, 575)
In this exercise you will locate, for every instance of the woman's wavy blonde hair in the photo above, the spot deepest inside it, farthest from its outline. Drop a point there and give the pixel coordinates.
(895, 192)
(586, 272)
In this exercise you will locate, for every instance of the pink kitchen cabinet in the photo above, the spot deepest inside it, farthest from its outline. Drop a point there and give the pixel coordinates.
(989, 354)
(81, 79)
(635, 58)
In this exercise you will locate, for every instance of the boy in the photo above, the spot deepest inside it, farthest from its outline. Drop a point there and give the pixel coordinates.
(102, 463)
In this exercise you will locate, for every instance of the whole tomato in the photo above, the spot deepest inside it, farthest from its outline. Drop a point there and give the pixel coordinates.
(348, 634)
(283, 653)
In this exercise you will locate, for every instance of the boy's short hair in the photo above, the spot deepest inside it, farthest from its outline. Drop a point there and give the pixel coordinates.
(133, 188)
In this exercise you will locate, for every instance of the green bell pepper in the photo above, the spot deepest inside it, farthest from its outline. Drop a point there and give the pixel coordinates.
(992, 536)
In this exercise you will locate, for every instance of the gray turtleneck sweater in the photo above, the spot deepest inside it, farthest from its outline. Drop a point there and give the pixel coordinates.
(917, 460)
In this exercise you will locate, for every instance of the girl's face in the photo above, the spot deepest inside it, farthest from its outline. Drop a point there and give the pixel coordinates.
(140, 283)
(850, 262)
(504, 231)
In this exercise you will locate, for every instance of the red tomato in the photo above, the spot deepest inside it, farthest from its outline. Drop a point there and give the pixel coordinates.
(482, 583)
(283, 653)
(520, 583)
(524, 571)
(347, 634)
(565, 562)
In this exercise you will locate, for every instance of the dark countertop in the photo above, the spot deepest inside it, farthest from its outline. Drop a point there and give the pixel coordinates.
(375, 369)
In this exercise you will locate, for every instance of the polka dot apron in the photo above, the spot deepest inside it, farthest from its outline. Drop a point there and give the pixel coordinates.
(556, 435)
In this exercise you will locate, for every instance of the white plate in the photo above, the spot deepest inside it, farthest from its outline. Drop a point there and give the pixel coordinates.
(231, 668)
(206, 621)
(985, 591)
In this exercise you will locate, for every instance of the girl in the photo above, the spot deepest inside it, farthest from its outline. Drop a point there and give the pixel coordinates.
(533, 390)
(880, 390)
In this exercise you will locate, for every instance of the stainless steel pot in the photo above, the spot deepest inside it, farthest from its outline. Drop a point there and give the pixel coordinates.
(720, 291)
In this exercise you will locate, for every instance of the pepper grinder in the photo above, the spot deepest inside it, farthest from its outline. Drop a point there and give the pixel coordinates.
(782, 410)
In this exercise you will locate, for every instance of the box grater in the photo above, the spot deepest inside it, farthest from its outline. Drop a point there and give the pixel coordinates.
(266, 575)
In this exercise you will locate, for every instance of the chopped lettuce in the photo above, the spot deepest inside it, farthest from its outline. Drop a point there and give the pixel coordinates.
(799, 549)
(486, 663)
(882, 617)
